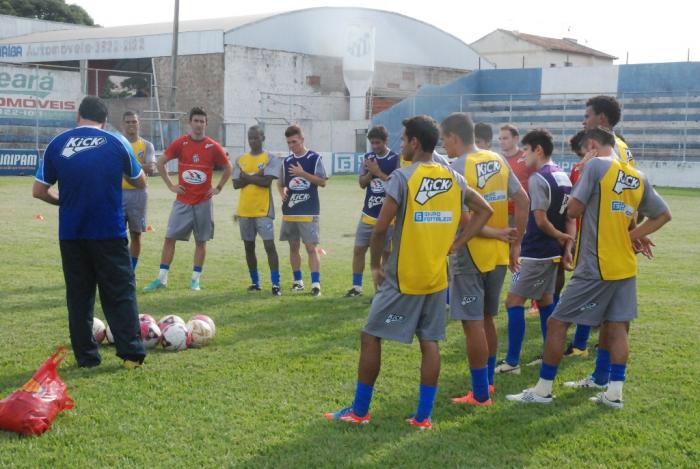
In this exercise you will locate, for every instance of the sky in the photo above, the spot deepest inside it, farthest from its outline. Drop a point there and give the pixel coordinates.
(637, 32)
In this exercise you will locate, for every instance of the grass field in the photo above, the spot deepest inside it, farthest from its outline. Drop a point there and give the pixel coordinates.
(255, 397)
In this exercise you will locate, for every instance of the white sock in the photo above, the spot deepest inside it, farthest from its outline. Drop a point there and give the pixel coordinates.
(543, 387)
(163, 276)
(357, 287)
(315, 285)
(196, 275)
(614, 391)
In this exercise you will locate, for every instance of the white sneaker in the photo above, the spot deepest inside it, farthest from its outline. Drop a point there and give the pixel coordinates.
(529, 396)
(586, 383)
(535, 362)
(504, 368)
(602, 399)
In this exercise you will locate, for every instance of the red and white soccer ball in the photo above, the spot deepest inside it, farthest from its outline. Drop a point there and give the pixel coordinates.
(150, 334)
(108, 335)
(145, 317)
(176, 337)
(170, 319)
(200, 331)
(99, 331)
(208, 320)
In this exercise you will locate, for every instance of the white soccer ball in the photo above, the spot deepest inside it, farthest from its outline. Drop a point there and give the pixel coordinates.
(176, 337)
(208, 320)
(98, 330)
(150, 334)
(200, 331)
(108, 334)
(170, 319)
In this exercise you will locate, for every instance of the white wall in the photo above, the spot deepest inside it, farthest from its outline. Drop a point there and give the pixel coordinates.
(671, 173)
(593, 81)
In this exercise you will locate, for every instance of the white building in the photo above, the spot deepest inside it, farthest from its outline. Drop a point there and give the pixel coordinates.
(513, 49)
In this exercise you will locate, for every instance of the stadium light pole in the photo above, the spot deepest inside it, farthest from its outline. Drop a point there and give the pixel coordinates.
(173, 78)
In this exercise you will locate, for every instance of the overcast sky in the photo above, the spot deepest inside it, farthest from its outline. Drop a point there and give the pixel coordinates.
(648, 31)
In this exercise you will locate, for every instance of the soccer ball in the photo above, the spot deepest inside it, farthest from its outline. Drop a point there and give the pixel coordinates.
(176, 337)
(169, 319)
(150, 334)
(108, 334)
(208, 320)
(145, 317)
(201, 332)
(98, 330)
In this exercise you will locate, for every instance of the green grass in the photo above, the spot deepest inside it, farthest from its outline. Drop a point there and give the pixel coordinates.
(255, 396)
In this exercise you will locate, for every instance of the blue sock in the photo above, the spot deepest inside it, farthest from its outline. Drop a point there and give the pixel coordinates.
(545, 313)
(134, 262)
(254, 277)
(516, 334)
(165, 266)
(480, 383)
(548, 372)
(426, 398)
(581, 336)
(197, 268)
(315, 277)
(275, 277)
(491, 365)
(363, 397)
(297, 275)
(617, 371)
(356, 279)
(601, 375)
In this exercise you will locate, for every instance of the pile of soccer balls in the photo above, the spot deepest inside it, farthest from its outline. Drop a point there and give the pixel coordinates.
(171, 332)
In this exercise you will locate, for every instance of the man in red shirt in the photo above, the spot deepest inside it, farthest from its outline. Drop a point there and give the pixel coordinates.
(508, 138)
(196, 156)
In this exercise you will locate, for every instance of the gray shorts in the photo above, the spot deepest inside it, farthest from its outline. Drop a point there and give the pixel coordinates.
(399, 317)
(250, 227)
(590, 302)
(134, 203)
(184, 219)
(536, 278)
(307, 231)
(472, 295)
(363, 235)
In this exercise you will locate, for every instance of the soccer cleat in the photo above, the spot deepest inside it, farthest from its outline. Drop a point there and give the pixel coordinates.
(254, 288)
(353, 292)
(297, 287)
(347, 415)
(586, 383)
(471, 400)
(276, 290)
(154, 285)
(426, 424)
(492, 389)
(536, 362)
(572, 351)
(316, 291)
(194, 285)
(132, 364)
(529, 396)
(602, 399)
(504, 368)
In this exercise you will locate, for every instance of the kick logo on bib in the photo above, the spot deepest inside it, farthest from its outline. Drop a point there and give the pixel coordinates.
(78, 144)
(430, 187)
(485, 171)
(193, 176)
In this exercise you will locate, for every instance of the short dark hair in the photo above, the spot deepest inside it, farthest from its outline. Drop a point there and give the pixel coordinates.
(607, 105)
(378, 132)
(293, 130)
(130, 114)
(576, 142)
(483, 131)
(197, 111)
(539, 138)
(423, 128)
(600, 135)
(512, 129)
(258, 128)
(461, 125)
(93, 109)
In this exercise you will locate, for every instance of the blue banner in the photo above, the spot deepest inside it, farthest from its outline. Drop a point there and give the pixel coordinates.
(18, 162)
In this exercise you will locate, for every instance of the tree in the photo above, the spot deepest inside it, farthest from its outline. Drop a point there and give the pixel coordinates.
(51, 10)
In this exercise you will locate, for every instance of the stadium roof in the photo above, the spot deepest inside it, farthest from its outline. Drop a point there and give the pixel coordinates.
(561, 45)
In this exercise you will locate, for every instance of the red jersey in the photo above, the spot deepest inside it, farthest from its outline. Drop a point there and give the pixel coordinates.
(195, 165)
(575, 173)
(521, 171)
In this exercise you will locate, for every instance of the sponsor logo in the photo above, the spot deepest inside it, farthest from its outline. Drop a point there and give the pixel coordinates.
(588, 307)
(376, 185)
(625, 182)
(296, 199)
(78, 144)
(538, 283)
(208, 146)
(467, 300)
(375, 201)
(194, 176)
(619, 206)
(195, 158)
(299, 184)
(561, 178)
(30, 84)
(430, 187)
(497, 196)
(391, 318)
(11, 51)
(432, 217)
(485, 171)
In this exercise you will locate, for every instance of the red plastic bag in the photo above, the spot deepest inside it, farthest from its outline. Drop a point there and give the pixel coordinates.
(32, 409)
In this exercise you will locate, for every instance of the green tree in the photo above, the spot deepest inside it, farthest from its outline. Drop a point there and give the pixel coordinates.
(52, 10)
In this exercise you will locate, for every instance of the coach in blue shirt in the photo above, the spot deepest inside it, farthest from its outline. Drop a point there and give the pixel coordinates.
(88, 163)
